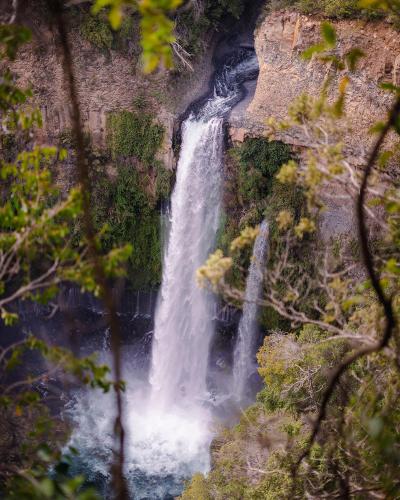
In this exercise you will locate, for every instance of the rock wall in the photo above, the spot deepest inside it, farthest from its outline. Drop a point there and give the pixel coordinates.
(107, 80)
(279, 41)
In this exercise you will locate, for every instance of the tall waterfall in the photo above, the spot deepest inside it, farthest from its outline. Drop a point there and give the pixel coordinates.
(169, 422)
(183, 326)
(183, 323)
(244, 366)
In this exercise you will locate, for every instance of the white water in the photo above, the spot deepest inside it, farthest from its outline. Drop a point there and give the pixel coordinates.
(183, 323)
(169, 423)
(244, 364)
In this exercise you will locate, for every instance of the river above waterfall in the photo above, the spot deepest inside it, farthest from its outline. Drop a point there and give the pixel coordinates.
(172, 410)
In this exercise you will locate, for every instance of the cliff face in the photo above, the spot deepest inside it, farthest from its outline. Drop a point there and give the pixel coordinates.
(107, 80)
(279, 41)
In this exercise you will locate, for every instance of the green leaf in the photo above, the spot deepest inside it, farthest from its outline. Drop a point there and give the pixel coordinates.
(377, 128)
(390, 87)
(47, 487)
(393, 266)
(314, 49)
(115, 17)
(356, 300)
(329, 34)
(352, 57)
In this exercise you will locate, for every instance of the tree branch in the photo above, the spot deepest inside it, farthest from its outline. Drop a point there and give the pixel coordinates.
(56, 7)
(373, 276)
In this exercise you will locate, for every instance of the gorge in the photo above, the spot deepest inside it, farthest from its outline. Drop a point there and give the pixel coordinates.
(222, 195)
(170, 436)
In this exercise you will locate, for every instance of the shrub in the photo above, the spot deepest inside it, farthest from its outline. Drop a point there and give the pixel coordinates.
(192, 26)
(130, 216)
(196, 489)
(335, 9)
(259, 161)
(97, 31)
(133, 134)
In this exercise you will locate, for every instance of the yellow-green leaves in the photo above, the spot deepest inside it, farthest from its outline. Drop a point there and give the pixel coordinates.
(328, 42)
(8, 317)
(284, 220)
(388, 5)
(115, 12)
(352, 57)
(245, 239)
(305, 226)
(329, 34)
(157, 29)
(288, 173)
(157, 32)
(326, 48)
(338, 106)
(11, 38)
(214, 270)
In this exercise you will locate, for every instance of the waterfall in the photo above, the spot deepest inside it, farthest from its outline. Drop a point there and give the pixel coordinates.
(169, 412)
(244, 364)
(183, 323)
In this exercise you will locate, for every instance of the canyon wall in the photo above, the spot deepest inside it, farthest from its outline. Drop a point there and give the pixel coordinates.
(107, 80)
(279, 41)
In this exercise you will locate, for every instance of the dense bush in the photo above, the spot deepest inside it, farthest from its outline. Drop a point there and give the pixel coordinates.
(97, 31)
(249, 184)
(193, 24)
(251, 192)
(134, 134)
(259, 160)
(126, 203)
(130, 215)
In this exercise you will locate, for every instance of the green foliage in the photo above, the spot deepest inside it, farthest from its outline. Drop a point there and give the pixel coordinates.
(216, 10)
(37, 485)
(134, 134)
(334, 9)
(127, 205)
(129, 215)
(97, 31)
(192, 26)
(250, 184)
(11, 38)
(259, 160)
(196, 489)
(156, 27)
(356, 452)
(37, 254)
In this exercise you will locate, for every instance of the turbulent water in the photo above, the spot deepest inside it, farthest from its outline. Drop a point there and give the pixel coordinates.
(244, 364)
(169, 418)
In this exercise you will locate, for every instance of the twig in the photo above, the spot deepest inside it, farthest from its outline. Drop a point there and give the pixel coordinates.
(120, 488)
(369, 264)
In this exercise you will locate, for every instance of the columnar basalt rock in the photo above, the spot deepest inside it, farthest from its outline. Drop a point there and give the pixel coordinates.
(279, 41)
(107, 80)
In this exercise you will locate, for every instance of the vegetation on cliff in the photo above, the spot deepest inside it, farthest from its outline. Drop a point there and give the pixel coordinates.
(38, 251)
(326, 424)
(334, 9)
(205, 16)
(129, 203)
(249, 183)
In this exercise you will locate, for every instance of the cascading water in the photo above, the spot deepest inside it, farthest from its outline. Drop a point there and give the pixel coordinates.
(183, 323)
(244, 364)
(169, 422)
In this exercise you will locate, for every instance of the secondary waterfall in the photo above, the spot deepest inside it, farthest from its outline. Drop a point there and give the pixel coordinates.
(183, 324)
(244, 365)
